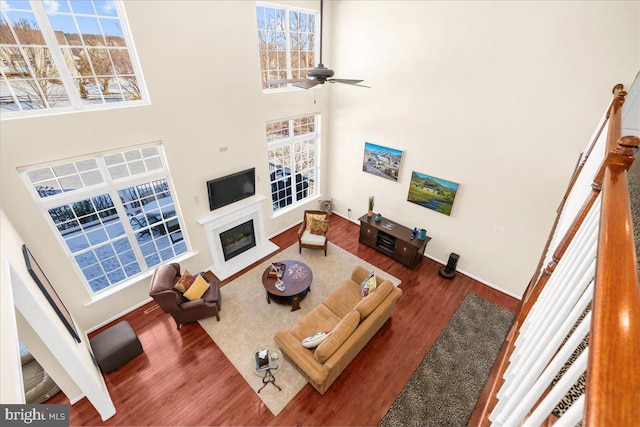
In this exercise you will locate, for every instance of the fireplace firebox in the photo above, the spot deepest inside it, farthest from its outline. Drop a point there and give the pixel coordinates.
(237, 240)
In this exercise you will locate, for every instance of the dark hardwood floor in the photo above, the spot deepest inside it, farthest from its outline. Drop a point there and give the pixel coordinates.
(183, 378)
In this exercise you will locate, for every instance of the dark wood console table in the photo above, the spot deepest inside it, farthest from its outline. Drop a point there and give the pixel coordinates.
(392, 239)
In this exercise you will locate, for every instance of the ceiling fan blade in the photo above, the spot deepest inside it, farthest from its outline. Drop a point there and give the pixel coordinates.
(307, 84)
(348, 82)
(283, 81)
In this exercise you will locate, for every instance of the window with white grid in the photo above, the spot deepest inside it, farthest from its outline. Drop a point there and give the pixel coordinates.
(114, 214)
(292, 149)
(287, 42)
(66, 55)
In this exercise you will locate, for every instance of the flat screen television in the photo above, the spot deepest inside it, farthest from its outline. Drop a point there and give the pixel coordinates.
(231, 188)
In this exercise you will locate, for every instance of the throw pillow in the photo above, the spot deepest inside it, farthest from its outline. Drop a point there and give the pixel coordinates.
(197, 289)
(185, 281)
(311, 217)
(319, 227)
(368, 285)
(314, 340)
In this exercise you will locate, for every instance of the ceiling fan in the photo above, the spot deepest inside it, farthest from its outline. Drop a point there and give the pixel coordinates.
(319, 74)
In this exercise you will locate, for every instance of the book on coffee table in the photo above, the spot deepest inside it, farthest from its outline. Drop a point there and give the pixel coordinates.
(262, 360)
(276, 270)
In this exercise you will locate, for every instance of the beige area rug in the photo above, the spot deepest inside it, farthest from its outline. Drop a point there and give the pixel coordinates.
(248, 323)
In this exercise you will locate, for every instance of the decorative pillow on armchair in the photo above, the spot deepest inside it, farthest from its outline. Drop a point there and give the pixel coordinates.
(185, 281)
(311, 217)
(197, 289)
(319, 227)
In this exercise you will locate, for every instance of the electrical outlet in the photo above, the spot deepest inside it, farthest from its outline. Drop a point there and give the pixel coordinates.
(499, 231)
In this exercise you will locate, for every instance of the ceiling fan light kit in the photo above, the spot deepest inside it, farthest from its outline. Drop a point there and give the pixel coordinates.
(319, 74)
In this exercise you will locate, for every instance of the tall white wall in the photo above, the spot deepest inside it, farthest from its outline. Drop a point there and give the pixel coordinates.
(478, 93)
(200, 62)
(499, 97)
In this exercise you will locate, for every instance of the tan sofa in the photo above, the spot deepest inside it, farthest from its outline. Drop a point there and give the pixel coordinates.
(352, 320)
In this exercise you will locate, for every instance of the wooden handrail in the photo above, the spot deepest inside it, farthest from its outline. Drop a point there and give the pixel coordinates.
(613, 372)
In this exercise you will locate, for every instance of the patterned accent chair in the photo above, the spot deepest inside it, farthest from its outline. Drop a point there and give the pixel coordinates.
(314, 231)
(173, 302)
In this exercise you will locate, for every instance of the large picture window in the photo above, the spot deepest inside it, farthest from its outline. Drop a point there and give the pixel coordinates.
(287, 42)
(114, 213)
(292, 148)
(66, 55)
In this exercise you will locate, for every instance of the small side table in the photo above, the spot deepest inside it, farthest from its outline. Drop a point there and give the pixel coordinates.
(275, 363)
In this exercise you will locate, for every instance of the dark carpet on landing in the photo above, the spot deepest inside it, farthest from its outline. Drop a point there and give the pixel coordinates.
(444, 389)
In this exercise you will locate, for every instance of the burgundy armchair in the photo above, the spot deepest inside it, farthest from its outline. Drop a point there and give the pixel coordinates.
(173, 302)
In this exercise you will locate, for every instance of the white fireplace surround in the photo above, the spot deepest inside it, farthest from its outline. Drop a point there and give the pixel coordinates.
(228, 217)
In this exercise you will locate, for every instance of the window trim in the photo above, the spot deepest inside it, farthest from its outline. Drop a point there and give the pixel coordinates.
(64, 75)
(287, 8)
(289, 142)
(110, 187)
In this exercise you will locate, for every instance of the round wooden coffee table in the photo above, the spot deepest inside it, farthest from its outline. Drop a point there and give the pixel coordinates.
(297, 280)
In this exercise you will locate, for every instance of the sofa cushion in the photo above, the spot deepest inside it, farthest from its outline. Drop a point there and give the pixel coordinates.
(197, 289)
(344, 299)
(318, 319)
(312, 239)
(338, 336)
(369, 303)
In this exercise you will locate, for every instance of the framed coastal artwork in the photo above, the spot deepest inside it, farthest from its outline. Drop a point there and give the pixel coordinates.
(432, 193)
(381, 161)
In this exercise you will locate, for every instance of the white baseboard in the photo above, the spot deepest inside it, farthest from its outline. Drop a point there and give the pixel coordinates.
(284, 229)
(476, 278)
(439, 261)
(117, 316)
(355, 221)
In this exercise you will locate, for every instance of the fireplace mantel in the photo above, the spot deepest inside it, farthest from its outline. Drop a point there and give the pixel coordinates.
(228, 217)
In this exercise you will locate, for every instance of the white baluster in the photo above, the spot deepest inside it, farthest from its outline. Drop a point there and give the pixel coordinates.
(521, 383)
(526, 403)
(577, 258)
(558, 391)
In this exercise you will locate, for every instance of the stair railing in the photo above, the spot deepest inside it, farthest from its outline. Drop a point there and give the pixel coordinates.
(573, 352)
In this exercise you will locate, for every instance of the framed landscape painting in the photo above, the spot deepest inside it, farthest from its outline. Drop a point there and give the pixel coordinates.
(381, 161)
(433, 193)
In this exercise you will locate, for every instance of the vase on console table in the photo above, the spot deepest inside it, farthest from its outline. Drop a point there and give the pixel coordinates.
(378, 217)
(422, 234)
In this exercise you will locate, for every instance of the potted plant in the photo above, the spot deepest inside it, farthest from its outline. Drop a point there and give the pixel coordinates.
(370, 213)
